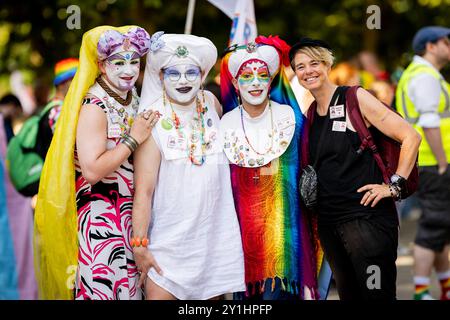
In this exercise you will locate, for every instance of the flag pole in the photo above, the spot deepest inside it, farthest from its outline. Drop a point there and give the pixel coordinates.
(189, 17)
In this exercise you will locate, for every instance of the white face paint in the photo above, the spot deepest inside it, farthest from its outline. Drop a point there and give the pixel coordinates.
(182, 82)
(254, 82)
(122, 70)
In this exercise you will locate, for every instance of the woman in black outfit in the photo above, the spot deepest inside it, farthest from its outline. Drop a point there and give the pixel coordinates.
(357, 221)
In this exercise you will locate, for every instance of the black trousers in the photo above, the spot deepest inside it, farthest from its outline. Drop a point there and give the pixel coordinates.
(362, 254)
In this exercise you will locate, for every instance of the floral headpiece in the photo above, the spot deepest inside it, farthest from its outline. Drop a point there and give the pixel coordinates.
(156, 42)
(136, 39)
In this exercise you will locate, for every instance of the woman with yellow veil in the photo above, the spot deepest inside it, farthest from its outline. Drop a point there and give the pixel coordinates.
(83, 213)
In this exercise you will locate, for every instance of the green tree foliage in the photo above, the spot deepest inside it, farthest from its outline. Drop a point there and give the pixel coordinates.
(33, 33)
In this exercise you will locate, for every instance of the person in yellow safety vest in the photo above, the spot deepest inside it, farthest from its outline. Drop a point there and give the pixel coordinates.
(423, 98)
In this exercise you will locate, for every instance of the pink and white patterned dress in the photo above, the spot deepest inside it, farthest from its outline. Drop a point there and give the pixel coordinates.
(106, 267)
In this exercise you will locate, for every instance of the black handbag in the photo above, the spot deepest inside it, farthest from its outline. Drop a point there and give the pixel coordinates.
(308, 187)
(308, 184)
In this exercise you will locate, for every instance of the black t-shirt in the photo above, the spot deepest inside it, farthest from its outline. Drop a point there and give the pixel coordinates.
(342, 171)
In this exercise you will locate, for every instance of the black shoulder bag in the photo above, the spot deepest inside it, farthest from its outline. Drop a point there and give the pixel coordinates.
(308, 179)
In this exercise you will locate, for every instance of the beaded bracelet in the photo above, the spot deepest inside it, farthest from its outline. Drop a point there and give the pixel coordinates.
(138, 242)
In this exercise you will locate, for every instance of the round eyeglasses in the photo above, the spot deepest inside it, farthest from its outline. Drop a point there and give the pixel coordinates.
(175, 75)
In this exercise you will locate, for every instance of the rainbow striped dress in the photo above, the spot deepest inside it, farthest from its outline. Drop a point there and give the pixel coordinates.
(279, 236)
(277, 239)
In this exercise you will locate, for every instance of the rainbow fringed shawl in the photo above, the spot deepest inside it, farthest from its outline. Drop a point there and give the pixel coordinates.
(278, 239)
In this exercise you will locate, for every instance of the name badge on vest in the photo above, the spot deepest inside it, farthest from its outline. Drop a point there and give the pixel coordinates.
(114, 131)
(339, 126)
(337, 111)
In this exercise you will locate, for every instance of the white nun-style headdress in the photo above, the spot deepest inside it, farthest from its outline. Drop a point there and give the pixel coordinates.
(267, 54)
(169, 50)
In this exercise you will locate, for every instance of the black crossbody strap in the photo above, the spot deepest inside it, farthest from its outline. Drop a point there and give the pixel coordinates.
(324, 129)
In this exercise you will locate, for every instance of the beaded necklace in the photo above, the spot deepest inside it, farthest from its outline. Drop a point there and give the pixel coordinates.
(197, 160)
(271, 135)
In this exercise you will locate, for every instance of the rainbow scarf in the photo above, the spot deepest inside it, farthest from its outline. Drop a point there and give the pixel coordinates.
(279, 241)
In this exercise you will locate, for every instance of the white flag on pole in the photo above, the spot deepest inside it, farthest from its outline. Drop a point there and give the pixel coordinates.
(242, 12)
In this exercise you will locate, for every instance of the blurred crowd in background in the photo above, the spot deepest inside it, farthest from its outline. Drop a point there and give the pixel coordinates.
(27, 87)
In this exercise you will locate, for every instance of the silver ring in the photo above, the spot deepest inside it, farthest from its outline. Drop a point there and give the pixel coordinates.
(370, 191)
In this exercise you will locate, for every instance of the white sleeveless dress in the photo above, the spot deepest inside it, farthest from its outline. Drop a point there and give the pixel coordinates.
(194, 232)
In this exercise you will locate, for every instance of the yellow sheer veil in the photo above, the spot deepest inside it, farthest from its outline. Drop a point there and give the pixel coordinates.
(55, 229)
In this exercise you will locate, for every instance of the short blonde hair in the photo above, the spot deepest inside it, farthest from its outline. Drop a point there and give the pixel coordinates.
(317, 53)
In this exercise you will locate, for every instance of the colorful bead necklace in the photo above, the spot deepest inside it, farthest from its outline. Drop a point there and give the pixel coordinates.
(271, 135)
(197, 160)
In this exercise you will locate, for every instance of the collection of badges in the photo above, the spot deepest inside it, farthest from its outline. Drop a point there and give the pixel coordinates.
(189, 133)
(338, 111)
(236, 146)
(120, 117)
